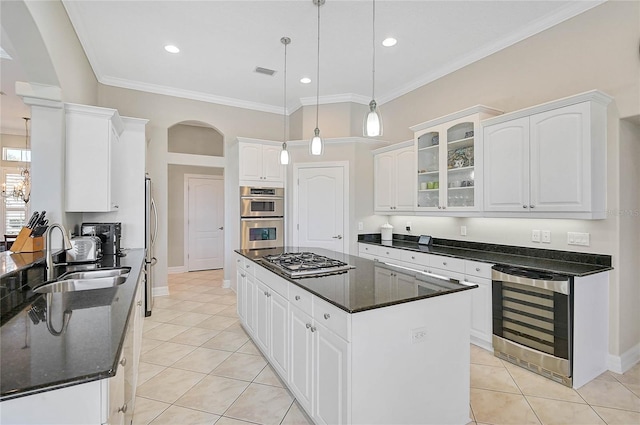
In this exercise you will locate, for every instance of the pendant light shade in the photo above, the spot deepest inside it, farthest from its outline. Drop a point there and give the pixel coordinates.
(284, 153)
(373, 121)
(316, 147)
(372, 125)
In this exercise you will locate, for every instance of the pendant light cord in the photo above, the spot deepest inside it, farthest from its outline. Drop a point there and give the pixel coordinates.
(284, 107)
(373, 67)
(318, 68)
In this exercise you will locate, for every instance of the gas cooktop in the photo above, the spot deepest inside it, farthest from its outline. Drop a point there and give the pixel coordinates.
(305, 264)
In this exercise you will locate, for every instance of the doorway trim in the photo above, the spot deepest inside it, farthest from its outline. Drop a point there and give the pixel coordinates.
(346, 198)
(185, 220)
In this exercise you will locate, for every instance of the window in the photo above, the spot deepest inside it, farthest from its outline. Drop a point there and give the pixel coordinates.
(16, 154)
(14, 211)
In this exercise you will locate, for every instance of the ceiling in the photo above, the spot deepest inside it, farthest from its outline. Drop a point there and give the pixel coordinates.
(222, 42)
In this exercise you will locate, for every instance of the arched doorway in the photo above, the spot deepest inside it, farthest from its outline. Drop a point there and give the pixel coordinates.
(195, 197)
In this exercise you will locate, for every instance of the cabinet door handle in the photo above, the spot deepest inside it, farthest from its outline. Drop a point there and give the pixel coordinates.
(524, 206)
(116, 206)
(313, 328)
(139, 303)
(327, 316)
(439, 207)
(243, 275)
(466, 280)
(532, 206)
(266, 294)
(308, 325)
(123, 362)
(123, 409)
(297, 297)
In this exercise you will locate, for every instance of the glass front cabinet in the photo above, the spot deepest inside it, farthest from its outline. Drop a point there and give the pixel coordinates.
(449, 161)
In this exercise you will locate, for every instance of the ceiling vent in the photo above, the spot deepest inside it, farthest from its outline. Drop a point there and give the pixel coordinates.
(265, 71)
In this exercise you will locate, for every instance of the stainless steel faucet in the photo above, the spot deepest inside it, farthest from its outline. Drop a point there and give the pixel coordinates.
(48, 254)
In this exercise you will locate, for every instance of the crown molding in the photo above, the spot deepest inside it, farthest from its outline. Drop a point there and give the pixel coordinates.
(335, 98)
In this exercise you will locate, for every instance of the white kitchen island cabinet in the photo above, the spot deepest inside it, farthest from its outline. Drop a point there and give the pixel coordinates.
(367, 352)
(549, 160)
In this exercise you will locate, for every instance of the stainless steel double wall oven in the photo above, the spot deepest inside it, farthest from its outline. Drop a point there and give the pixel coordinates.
(261, 217)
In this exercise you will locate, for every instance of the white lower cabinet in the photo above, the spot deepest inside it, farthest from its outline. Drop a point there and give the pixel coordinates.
(319, 369)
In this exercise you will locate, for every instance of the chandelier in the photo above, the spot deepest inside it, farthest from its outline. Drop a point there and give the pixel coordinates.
(22, 190)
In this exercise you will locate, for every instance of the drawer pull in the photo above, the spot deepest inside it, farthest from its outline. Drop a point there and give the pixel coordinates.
(327, 316)
(308, 325)
(413, 258)
(123, 362)
(297, 297)
(123, 409)
(444, 263)
(477, 269)
(247, 266)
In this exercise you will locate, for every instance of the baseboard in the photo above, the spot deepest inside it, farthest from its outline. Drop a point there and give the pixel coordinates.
(226, 283)
(160, 291)
(621, 364)
(177, 270)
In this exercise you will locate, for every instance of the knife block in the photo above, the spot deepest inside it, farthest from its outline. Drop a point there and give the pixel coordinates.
(25, 242)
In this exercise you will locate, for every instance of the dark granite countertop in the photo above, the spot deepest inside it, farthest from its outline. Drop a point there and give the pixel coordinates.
(561, 262)
(365, 287)
(11, 262)
(36, 356)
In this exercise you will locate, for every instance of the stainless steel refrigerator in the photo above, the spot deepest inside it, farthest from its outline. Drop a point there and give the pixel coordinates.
(150, 234)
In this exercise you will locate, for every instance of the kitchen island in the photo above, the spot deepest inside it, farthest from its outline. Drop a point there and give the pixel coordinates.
(375, 344)
(62, 353)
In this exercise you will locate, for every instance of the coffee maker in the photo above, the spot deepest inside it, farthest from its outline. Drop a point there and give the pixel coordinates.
(109, 234)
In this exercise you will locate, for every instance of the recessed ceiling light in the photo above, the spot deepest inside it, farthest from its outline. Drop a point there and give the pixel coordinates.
(388, 42)
(171, 48)
(305, 80)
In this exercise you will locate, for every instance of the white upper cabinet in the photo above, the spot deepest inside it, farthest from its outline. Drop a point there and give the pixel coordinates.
(91, 169)
(449, 162)
(260, 164)
(394, 178)
(548, 161)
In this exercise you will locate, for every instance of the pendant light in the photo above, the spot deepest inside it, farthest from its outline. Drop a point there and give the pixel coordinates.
(284, 153)
(316, 147)
(372, 126)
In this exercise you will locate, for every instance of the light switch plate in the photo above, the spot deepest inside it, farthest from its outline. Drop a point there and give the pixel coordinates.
(463, 230)
(546, 236)
(577, 238)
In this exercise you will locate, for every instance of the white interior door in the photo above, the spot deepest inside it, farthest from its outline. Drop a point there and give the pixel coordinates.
(321, 208)
(205, 234)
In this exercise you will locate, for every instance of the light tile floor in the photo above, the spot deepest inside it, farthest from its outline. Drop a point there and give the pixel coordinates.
(198, 366)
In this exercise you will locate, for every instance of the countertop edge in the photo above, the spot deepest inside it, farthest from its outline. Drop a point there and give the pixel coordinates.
(596, 268)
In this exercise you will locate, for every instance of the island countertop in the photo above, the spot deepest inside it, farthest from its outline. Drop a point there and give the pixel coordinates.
(37, 356)
(363, 287)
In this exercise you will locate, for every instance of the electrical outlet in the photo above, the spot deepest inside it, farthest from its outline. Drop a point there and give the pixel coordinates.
(418, 335)
(535, 236)
(463, 230)
(546, 236)
(360, 225)
(577, 238)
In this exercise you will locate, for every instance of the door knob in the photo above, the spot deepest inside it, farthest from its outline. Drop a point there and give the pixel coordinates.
(337, 237)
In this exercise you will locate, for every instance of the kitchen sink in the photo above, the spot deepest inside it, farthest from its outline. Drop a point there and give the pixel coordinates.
(95, 274)
(71, 285)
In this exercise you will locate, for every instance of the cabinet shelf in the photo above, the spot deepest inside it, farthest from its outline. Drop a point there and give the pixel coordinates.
(428, 147)
(461, 188)
(425, 173)
(461, 143)
(460, 169)
(428, 190)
